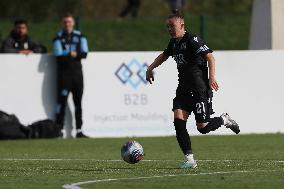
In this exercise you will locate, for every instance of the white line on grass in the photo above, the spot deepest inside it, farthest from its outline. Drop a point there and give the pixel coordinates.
(119, 160)
(78, 184)
(57, 159)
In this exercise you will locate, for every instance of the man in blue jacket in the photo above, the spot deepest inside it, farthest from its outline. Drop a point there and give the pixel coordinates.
(70, 46)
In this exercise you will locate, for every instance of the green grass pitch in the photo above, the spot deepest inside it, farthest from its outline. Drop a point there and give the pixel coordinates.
(237, 161)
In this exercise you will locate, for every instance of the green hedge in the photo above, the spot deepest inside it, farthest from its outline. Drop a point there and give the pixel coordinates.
(147, 34)
(52, 9)
(227, 22)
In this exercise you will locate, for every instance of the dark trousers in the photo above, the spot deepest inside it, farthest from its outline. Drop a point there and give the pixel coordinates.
(133, 7)
(67, 83)
(176, 6)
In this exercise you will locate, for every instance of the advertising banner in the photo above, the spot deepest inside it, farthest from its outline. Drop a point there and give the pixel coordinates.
(118, 102)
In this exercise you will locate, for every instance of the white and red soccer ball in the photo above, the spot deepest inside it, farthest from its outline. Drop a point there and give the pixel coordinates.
(132, 152)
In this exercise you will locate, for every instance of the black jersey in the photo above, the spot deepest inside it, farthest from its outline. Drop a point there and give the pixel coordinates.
(189, 54)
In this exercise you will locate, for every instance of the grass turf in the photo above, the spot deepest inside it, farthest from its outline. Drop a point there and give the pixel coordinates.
(53, 163)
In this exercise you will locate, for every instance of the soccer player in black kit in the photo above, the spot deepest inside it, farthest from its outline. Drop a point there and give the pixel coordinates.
(196, 68)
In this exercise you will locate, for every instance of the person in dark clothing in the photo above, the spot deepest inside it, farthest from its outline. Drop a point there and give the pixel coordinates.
(176, 6)
(20, 42)
(196, 82)
(132, 7)
(70, 46)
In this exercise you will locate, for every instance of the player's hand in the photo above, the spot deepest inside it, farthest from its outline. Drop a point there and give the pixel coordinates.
(73, 54)
(213, 84)
(25, 52)
(150, 75)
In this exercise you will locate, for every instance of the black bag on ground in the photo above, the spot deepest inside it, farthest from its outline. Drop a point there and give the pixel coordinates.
(44, 129)
(11, 128)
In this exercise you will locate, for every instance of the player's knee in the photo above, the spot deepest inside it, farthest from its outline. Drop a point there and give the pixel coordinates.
(180, 114)
(203, 130)
(201, 125)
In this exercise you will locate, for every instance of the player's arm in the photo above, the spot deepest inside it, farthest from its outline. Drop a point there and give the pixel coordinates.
(204, 51)
(84, 49)
(211, 64)
(61, 54)
(157, 62)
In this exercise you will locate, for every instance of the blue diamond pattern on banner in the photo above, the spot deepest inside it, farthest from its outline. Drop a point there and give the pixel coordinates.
(132, 73)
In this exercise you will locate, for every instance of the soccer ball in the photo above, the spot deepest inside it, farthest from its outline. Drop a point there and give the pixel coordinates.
(132, 152)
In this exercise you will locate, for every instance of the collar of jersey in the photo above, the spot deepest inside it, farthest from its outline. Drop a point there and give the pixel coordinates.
(178, 41)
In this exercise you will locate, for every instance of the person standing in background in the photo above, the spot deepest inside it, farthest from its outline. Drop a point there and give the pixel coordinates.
(20, 42)
(176, 6)
(133, 7)
(70, 46)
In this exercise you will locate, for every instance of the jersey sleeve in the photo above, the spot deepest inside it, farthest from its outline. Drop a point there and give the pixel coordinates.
(84, 45)
(84, 49)
(169, 50)
(8, 46)
(58, 49)
(199, 47)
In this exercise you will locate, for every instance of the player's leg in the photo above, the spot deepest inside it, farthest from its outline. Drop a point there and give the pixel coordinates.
(203, 110)
(180, 119)
(183, 138)
(126, 10)
(77, 99)
(135, 8)
(216, 122)
(212, 125)
(77, 92)
(62, 96)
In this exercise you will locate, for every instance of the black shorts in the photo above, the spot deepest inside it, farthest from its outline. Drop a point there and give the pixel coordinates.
(200, 103)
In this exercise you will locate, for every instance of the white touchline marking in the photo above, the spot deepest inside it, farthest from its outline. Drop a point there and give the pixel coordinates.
(78, 184)
(119, 160)
(57, 159)
(278, 161)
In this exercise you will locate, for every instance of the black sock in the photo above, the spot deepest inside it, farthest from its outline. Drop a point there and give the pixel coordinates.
(214, 124)
(182, 136)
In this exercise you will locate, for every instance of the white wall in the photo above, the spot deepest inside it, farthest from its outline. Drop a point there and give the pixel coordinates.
(251, 91)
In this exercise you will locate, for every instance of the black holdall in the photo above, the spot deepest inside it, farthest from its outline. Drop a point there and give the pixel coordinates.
(44, 129)
(11, 128)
